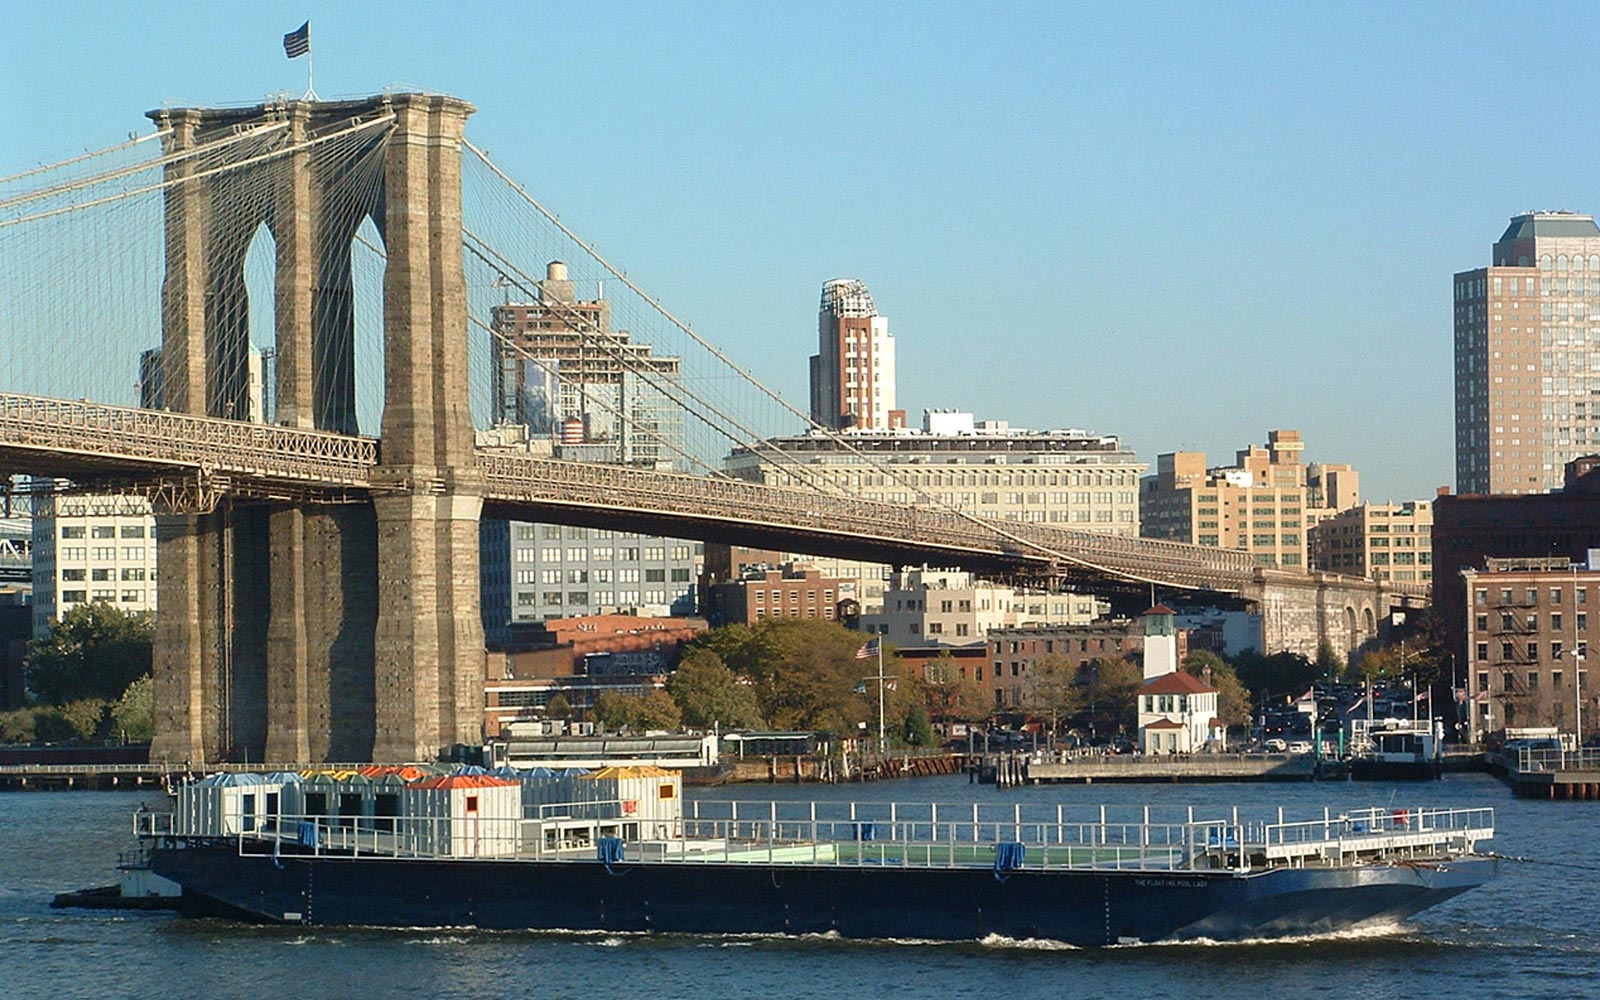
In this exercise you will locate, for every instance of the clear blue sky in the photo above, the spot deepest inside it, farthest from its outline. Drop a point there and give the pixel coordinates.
(1180, 223)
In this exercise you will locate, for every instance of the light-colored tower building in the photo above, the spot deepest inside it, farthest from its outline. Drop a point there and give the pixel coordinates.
(1384, 541)
(852, 373)
(584, 392)
(1160, 642)
(1263, 504)
(1526, 392)
(92, 548)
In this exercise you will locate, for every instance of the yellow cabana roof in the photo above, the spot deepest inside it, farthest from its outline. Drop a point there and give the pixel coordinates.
(636, 771)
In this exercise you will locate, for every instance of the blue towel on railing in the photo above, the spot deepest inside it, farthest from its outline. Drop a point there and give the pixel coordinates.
(608, 850)
(1008, 857)
(310, 835)
(866, 831)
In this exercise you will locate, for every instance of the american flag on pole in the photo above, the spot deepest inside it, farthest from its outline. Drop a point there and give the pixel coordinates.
(868, 650)
(298, 42)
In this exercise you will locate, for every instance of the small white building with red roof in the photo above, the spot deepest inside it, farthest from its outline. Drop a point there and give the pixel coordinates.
(1177, 711)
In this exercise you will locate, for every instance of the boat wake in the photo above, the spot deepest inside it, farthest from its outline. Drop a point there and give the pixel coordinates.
(1365, 932)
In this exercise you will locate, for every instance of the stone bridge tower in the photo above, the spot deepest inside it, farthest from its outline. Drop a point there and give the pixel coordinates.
(296, 632)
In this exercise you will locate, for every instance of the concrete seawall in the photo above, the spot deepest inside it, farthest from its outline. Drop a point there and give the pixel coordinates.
(1196, 767)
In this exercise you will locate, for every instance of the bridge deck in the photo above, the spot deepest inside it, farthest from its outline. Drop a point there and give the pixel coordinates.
(112, 447)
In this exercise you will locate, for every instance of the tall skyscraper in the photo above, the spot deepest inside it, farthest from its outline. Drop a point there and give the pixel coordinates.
(1527, 384)
(852, 373)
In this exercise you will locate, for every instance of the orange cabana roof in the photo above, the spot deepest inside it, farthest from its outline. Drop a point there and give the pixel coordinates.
(635, 771)
(467, 781)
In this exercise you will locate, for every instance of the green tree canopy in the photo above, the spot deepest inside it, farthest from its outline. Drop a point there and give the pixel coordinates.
(558, 707)
(1330, 664)
(133, 714)
(952, 692)
(1233, 701)
(806, 676)
(95, 651)
(653, 710)
(1054, 690)
(709, 694)
(917, 730)
(1112, 689)
(1280, 673)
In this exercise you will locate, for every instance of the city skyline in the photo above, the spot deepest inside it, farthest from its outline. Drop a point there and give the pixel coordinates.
(1287, 194)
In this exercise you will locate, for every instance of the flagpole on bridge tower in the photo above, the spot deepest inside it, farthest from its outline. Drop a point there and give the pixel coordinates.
(297, 43)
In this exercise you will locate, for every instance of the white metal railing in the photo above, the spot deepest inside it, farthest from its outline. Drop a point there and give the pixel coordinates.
(1551, 759)
(898, 834)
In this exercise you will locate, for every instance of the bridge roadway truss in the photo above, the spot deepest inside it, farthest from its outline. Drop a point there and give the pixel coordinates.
(155, 452)
(189, 464)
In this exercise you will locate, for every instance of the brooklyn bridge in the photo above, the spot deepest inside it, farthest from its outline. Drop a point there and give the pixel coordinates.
(318, 566)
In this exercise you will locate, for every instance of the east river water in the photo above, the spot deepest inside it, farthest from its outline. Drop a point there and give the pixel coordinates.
(1532, 933)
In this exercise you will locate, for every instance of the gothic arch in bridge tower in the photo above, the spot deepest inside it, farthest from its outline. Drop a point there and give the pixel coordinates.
(334, 619)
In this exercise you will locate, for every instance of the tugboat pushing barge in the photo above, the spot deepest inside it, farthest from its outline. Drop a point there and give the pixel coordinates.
(619, 851)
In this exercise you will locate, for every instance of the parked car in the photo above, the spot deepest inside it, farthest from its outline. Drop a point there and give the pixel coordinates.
(1275, 745)
(1299, 746)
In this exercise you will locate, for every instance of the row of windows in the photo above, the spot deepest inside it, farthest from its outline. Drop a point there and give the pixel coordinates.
(1528, 595)
(826, 612)
(103, 531)
(83, 597)
(626, 553)
(100, 553)
(527, 532)
(102, 575)
(760, 596)
(601, 598)
(1512, 651)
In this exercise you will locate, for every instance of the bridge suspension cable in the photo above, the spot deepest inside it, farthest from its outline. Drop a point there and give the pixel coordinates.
(92, 154)
(741, 433)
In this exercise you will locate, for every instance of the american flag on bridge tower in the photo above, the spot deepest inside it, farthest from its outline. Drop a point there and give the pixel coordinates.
(298, 42)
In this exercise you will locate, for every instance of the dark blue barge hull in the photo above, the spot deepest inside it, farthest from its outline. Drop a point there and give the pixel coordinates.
(1076, 906)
